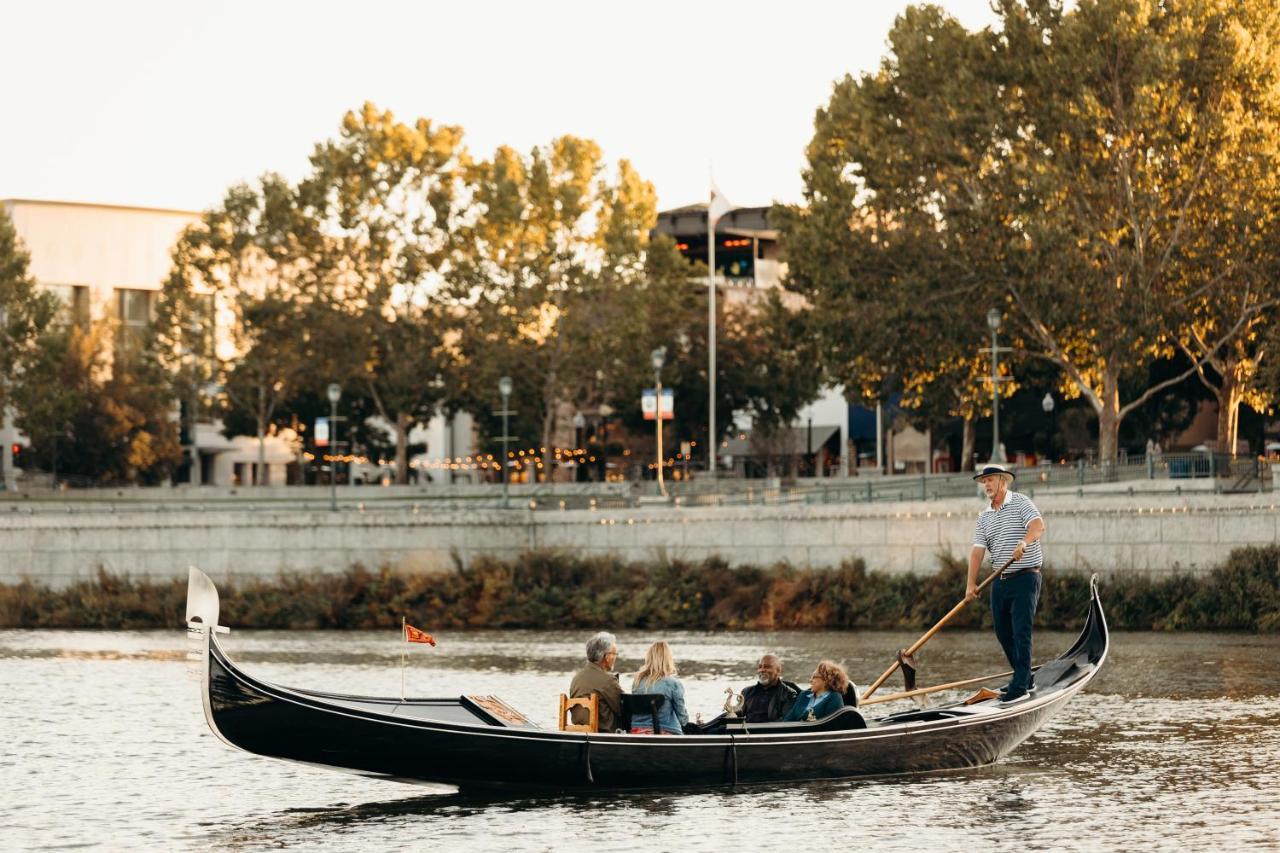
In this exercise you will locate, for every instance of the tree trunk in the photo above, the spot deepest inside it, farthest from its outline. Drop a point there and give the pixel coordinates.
(402, 449)
(968, 439)
(259, 476)
(1229, 395)
(1109, 420)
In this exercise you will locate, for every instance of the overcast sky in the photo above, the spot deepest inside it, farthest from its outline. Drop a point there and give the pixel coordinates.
(165, 104)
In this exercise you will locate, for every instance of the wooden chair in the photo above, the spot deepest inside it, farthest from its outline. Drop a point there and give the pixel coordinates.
(591, 703)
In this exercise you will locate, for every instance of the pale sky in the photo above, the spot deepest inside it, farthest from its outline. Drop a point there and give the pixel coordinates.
(166, 104)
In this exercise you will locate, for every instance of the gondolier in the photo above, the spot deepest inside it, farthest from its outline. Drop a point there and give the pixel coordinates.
(1009, 528)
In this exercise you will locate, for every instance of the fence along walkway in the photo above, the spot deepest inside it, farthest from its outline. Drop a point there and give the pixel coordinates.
(1157, 474)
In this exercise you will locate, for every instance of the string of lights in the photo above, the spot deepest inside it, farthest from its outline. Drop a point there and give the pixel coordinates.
(529, 458)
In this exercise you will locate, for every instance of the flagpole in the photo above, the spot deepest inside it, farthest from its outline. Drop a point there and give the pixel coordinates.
(711, 337)
(404, 644)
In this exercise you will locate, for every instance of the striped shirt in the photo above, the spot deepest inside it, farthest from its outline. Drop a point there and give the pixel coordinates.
(1000, 530)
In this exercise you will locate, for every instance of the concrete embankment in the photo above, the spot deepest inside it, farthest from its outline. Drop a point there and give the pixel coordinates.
(1106, 532)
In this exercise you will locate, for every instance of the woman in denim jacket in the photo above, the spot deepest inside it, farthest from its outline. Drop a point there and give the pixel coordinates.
(658, 675)
(824, 696)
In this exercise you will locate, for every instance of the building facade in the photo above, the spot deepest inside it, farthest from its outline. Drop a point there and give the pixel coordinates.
(109, 262)
(102, 261)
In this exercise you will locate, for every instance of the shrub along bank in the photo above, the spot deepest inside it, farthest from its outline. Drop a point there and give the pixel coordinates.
(547, 589)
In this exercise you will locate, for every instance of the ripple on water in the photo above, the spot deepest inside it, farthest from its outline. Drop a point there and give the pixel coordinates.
(107, 747)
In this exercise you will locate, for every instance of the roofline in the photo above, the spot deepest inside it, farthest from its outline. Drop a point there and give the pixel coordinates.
(701, 207)
(137, 208)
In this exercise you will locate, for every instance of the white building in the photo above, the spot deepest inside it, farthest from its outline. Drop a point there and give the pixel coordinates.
(101, 260)
(111, 261)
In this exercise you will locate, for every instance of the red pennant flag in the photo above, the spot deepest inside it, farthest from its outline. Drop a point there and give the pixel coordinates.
(413, 635)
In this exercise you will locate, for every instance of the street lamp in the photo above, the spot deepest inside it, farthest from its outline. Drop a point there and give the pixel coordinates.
(579, 441)
(335, 394)
(993, 322)
(1047, 405)
(605, 411)
(659, 357)
(504, 388)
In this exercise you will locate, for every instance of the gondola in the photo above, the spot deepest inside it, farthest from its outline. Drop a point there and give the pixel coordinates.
(480, 742)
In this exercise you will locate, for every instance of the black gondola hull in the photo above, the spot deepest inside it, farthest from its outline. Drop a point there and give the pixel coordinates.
(451, 741)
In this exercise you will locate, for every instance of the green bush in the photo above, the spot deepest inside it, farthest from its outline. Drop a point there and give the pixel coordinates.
(550, 589)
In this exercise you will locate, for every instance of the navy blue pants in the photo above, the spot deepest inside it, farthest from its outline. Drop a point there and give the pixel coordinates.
(1013, 608)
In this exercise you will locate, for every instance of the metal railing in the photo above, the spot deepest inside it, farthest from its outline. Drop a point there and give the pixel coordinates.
(1169, 473)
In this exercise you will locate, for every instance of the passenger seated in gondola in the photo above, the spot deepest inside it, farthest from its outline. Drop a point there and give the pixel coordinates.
(769, 699)
(824, 696)
(597, 677)
(658, 675)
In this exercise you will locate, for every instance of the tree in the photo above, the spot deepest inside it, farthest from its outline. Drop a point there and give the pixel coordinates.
(893, 248)
(253, 263)
(388, 193)
(25, 313)
(92, 417)
(554, 280)
(1127, 133)
(1076, 169)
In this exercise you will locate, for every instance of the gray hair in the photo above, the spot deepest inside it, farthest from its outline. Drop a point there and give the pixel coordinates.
(599, 645)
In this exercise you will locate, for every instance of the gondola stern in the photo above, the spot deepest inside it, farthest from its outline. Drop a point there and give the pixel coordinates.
(1096, 636)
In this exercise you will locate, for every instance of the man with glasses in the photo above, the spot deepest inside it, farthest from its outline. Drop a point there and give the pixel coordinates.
(598, 677)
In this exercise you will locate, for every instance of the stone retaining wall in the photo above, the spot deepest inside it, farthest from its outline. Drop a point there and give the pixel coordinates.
(1149, 534)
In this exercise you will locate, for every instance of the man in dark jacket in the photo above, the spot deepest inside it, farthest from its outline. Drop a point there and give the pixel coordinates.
(769, 699)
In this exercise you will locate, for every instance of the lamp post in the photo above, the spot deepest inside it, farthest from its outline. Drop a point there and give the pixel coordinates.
(993, 322)
(1047, 405)
(659, 357)
(605, 411)
(334, 394)
(579, 439)
(504, 389)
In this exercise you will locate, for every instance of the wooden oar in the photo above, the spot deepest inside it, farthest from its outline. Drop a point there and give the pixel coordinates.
(907, 694)
(915, 647)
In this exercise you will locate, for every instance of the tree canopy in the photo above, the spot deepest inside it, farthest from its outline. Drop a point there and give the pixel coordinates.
(1104, 177)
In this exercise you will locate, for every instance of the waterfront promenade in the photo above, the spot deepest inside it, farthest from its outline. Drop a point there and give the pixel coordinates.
(58, 540)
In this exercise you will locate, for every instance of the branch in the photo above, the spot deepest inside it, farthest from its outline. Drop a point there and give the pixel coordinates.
(1199, 366)
(1160, 386)
(1182, 215)
(1056, 353)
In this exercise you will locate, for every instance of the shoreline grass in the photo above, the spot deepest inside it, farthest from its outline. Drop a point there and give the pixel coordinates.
(551, 589)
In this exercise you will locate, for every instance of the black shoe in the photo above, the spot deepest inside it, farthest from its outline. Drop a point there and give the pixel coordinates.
(1012, 695)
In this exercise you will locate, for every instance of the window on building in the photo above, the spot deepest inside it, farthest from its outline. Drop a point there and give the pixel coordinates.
(74, 299)
(133, 310)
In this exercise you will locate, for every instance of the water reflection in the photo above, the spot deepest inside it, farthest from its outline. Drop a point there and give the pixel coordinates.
(1175, 744)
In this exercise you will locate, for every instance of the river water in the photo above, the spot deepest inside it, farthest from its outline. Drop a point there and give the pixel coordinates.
(1175, 745)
